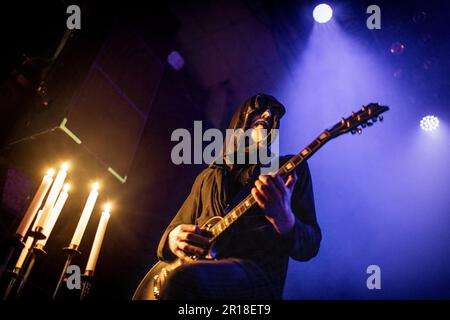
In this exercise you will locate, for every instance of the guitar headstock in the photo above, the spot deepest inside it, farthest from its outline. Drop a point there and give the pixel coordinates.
(355, 123)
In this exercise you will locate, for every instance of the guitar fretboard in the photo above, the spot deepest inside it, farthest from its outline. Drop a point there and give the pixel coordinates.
(284, 171)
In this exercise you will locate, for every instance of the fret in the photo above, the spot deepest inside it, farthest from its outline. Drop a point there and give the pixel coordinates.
(305, 152)
(281, 171)
(289, 165)
(250, 200)
(296, 160)
(314, 145)
(324, 135)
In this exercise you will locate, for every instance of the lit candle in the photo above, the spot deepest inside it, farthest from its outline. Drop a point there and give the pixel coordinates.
(54, 214)
(85, 215)
(28, 243)
(51, 199)
(99, 235)
(35, 204)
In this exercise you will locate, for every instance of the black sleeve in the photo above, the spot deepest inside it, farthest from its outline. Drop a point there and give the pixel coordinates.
(185, 215)
(304, 239)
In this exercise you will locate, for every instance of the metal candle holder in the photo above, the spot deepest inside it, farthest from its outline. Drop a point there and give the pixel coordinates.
(16, 242)
(70, 251)
(32, 255)
(86, 278)
(29, 261)
(14, 275)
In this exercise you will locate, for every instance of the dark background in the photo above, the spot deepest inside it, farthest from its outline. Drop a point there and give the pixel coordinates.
(232, 49)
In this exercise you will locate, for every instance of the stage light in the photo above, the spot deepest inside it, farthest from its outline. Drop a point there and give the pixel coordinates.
(322, 13)
(429, 123)
(175, 60)
(397, 48)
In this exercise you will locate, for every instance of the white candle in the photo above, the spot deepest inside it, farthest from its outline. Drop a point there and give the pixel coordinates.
(55, 214)
(51, 199)
(99, 235)
(28, 244)
(85, 215)
(35, 204)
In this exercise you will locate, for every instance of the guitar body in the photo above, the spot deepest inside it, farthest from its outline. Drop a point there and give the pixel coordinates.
(150, 286)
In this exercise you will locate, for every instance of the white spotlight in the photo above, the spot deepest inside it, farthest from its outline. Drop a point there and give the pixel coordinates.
(322, 13)
(429, 123)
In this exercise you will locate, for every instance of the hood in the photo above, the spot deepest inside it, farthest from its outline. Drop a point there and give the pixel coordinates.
(258, 103)
(242, 120)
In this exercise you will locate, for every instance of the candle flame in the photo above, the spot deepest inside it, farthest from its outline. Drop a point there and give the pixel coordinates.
(66, 187)
(107, 207)
(51, 172)
(95, 186)
(65, 166)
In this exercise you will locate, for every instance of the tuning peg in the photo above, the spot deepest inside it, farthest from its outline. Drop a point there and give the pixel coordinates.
(369, 123)
(353, 131)
(343, 121)
(359, 130)
(374, 119)
(380, 118)
(363, 125)
(363, 108)
(353, 114)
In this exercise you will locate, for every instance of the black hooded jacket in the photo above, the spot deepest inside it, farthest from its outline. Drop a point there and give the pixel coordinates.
(252, 237)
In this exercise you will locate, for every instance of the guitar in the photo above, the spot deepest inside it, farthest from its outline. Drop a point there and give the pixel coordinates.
(150, 286)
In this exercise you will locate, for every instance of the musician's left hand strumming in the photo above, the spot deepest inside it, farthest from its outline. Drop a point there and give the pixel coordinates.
(273, 195)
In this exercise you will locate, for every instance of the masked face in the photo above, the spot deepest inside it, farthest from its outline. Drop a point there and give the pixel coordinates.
(258, 114)
(260, 124)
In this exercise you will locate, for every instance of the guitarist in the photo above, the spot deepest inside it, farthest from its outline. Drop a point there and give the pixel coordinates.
(260, 243)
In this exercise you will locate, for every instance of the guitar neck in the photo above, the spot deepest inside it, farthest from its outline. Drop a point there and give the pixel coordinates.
(284, 171)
